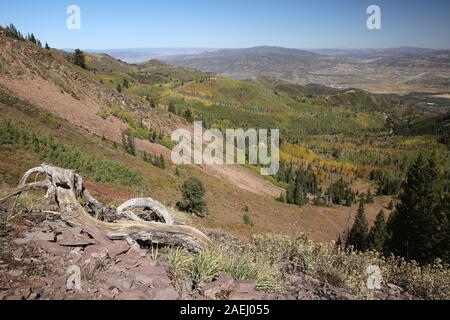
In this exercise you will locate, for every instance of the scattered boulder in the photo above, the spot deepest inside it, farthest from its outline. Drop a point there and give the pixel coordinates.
(165, 293)
(223, 285)
(95, 251)
(123, 283)
(75, 256)
(52, 247)
(134, 295)
(244, 290)
(116, 248)
(18, 253)
(99, 236)
(35, 236)
(72, 237)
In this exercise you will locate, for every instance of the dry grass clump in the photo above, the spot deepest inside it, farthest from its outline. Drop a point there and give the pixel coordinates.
(209, 263)
(266, 255)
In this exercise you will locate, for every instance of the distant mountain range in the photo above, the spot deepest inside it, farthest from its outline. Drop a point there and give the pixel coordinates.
(391, 70)
(380, 70)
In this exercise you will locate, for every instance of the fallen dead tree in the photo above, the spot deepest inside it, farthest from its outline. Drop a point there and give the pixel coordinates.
(78, 208)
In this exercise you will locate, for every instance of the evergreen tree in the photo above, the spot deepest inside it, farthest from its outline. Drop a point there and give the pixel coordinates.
(340, 192)
(162, 164)
(369, 197)
(129, 143)
(359, 232)
(125, 84)
(299, 196)
(47, 46)
(11, 31)
(188, 115)
(348, 202)
(152, 103)
(377, 234)
(79, 59)
(443, 247)
(119, 88)
(172, 108)
(339, 242)
(32, 38)
(416, 229)
(192, 202)
(124, 141)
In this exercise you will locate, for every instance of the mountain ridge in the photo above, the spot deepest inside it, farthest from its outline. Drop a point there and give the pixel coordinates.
(395, 69)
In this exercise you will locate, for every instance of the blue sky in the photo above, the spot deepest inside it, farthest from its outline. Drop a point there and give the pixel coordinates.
(232, 23)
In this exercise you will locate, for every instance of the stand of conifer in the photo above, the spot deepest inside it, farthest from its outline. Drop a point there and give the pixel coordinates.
(78, 208)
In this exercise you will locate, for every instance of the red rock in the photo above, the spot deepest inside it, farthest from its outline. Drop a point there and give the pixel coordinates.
(56, 227)
(244, 290)
(243, 296)
(60, 282)
(167, 293)
(123, 283)
(224, 284)
(35, 236)
(155, 276)
(130, 259)
(105, 294)
(97, 235)
(72, 238)
(97, 251)
(18, 253)
(135, 295)
(116, 248)
(52, 247)
(32, 283)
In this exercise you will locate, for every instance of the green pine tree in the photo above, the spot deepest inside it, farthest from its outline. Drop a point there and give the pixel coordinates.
(416, 229)
(357, 237)
(377, 234)
(192, 202)
(369, 197)
(172, 108)
(79, 59)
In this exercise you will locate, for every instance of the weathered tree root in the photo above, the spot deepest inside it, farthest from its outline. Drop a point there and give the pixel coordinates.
(67, 189)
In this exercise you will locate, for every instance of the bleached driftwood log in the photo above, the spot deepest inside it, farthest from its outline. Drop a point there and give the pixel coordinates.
(77, 207)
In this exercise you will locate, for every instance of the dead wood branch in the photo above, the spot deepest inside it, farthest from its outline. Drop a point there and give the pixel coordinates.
(77, 207)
